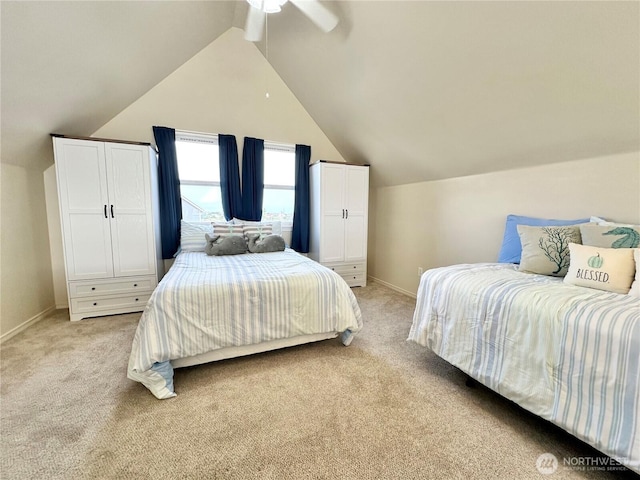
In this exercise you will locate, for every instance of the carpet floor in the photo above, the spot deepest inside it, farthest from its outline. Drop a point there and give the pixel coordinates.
(382, 408)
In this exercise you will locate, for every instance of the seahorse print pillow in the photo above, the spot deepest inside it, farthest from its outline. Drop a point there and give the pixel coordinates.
(545, 250)
(609, 269)
(611, 236)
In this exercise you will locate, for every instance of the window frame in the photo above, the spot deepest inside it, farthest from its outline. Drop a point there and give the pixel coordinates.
(286, 148)
(197, 137)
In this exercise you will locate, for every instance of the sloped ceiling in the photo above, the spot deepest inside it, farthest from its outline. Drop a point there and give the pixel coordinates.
(420, 90)
(69, 67)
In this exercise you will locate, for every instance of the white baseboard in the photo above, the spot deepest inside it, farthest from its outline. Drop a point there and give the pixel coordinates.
(392, 287)
(23, 326)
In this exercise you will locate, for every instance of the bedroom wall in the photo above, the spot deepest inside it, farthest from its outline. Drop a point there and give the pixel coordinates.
(26, 290)
(461, 220)
(222, 90)
(219, 90)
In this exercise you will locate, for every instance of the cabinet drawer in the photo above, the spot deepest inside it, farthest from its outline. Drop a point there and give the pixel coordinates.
(355, 280)
(348, 268)
(129, 285)
(99, 304)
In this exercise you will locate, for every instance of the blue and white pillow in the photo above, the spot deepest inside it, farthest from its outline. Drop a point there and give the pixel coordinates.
(192, 235)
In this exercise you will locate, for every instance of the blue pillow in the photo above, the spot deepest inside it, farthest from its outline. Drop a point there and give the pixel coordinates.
(511, 247)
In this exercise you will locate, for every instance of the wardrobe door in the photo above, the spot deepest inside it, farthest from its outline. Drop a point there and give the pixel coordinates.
(82, 188)
(130, 209)
(356, 205)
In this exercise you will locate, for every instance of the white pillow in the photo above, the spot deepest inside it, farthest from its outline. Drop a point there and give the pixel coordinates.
(192, 235)
(609, 269)
(602, 221)
(635, 286)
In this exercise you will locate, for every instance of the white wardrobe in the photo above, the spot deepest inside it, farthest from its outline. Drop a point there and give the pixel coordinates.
(339, 218)
(108, 198)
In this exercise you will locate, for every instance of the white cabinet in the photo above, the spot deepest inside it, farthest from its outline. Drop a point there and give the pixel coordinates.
(339, 218)
(107, 194)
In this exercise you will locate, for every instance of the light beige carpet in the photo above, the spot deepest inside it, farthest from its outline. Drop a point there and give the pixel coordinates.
(382, 408)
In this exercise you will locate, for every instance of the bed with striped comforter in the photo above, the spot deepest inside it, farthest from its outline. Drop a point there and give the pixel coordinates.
(569, 354)
(205, 303)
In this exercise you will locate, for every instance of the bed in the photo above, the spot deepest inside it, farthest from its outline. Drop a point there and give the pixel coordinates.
(209, 308)
(566, 353)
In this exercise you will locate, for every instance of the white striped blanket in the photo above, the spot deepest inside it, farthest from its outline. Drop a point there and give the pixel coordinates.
(206, 303)
(569, 354)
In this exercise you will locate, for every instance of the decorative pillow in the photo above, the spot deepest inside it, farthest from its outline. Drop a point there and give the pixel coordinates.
(225, 230)
(260, 230)
(192, 235)
(270, 243)
(635, 286)
(511, 249)
(609, 269)
(276, 225)
(231, 245)
(545, 250)
(610, 236)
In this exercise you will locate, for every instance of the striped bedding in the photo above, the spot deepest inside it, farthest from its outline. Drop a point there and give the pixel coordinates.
(569, 354)
(206, 303)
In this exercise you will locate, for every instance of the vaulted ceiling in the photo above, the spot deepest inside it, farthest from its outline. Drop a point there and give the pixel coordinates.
(419, 89)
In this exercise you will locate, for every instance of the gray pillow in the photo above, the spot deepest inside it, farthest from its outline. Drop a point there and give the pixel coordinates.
(232, 245)
(270, 243)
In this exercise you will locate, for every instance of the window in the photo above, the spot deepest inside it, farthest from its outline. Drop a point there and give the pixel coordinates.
(279, 182)
(199, 172)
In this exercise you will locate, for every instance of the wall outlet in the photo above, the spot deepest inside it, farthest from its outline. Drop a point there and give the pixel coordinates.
(420, 270)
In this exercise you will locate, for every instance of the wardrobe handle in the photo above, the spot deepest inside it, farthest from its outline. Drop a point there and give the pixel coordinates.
(111, 211)
(347, 214)
(343, 213)
(105, 212)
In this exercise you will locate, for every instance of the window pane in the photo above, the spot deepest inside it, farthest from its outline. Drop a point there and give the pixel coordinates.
(279, 168)
(278, 205)
(198, 161)
(201, 203)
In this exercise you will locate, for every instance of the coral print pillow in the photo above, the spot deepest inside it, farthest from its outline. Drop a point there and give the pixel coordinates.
(609, 269)
(611, 236)
(545, 250)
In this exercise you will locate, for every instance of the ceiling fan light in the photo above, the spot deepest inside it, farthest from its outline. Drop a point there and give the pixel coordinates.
(267, 6)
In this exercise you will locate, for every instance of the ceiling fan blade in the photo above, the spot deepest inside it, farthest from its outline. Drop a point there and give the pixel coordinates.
(325, 19)
(254, 26)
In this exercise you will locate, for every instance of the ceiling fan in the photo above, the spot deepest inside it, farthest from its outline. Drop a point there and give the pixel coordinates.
(258, 10)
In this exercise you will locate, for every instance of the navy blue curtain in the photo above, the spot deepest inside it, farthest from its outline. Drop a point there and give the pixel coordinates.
(301, 207)
(229, 176)
(169, 185)
(252, 178)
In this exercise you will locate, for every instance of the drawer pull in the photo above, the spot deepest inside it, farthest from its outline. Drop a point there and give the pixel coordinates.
(95, 303)
(135, 284)
(93, 288)
(354, 266)
(136, 299)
